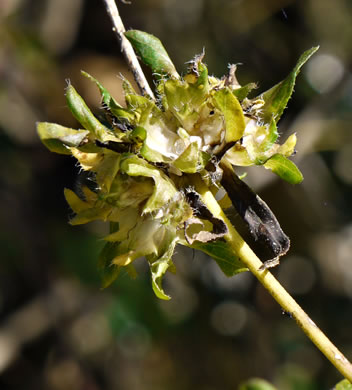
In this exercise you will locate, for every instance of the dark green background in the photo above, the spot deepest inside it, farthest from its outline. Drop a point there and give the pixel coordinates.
(58, 330)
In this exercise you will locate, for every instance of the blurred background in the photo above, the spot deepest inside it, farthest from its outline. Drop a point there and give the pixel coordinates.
(58, 329)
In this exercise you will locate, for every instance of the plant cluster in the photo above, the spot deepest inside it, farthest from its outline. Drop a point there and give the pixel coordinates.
(147, 161)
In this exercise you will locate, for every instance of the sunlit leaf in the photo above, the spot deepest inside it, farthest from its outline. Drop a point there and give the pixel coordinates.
(188, 161)
(284, 168)
(228, 104)
(271, 137)
(58, 138)
(276, 98)
(243, 92)
(152, 52)
(75, 202)
(85, 117)
(158, 269)
(108, 100)
(288, 147)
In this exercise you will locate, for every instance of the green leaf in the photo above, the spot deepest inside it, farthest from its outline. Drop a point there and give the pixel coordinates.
(243, 92)
(75, 202)
(343, 385)
(271, 137)
(152, 52)
(188, 161)
(223, 254)
(276, 98)
(284, 168)
(288, 147)
(228, 104)
(85, 117)
(107, 170)
(164, 188)
(58, 138)
(256, 384)
(108, 100)
(159, 267)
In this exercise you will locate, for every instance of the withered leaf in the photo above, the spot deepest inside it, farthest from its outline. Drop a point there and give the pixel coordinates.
(261, 221)
(202, 216)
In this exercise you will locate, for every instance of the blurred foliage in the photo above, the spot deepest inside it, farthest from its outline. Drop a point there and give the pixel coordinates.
(58, 329)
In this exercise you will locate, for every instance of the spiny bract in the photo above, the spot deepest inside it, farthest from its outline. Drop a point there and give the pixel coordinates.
(144, 160)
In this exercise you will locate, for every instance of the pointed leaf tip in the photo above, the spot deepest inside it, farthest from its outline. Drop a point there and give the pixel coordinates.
(284, 168)
(276, 98)
(152, 52)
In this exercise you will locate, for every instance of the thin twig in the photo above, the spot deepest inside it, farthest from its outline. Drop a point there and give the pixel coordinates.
(282, 297)
(127, 49)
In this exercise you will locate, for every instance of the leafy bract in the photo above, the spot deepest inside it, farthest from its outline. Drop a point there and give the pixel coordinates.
(284, 168)
(158, 268)
(164, 189)
(276, 98)
(228, 104)
(85, 117)
(58, 138)
(152, 52)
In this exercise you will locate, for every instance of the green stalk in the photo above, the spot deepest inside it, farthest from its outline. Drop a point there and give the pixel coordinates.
(282, 297)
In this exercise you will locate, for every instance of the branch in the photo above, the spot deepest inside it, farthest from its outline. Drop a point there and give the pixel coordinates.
(239, 246)
(127, 49)
(282, 297)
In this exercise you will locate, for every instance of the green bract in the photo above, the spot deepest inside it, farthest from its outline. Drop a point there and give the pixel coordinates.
(143, 161)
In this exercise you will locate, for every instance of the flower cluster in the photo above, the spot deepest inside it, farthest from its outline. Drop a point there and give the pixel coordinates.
(146, 157)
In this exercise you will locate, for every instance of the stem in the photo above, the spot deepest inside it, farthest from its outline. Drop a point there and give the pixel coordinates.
(127, 49)
(282, 297)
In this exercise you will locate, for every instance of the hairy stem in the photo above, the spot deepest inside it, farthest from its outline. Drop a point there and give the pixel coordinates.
(127, 49)
(282, 297)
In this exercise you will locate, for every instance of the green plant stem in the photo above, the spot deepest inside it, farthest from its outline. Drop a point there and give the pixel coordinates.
(127, 49)
(282, 297)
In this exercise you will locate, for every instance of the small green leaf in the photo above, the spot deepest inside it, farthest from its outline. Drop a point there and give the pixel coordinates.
(85, 117)
(75, 202)
(223, 254)
(152, 52)
(58, 138)
(343, 385)
(188, 161)
(228, 104)
(256, 384)
(288, 147)
(158, 269)
(243, 92)
(284, 168)
(108, 100)
(276, 98)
